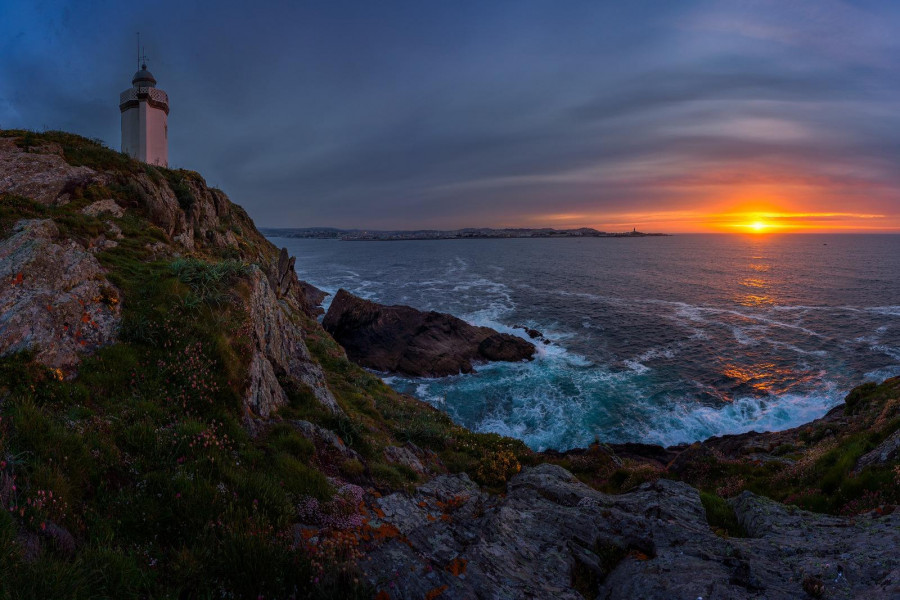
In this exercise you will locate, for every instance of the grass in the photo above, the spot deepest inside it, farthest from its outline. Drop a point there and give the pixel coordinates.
(179, 183)
(167, 494)
(149, 466)
(721, 516)
(77, 150)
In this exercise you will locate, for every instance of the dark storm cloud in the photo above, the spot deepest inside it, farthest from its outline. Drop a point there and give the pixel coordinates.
(415, 114)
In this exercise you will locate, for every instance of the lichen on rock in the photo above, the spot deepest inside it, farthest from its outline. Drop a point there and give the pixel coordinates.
(54, 297)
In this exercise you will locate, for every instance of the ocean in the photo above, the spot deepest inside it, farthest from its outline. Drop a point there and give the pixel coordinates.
(657, 340)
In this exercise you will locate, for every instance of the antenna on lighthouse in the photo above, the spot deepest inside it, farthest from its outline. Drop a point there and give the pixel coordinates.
(141, 57)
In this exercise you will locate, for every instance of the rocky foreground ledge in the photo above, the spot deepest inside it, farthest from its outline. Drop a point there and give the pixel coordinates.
(551, 536)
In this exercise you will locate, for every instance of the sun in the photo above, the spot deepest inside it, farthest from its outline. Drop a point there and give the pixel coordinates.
(758, 226)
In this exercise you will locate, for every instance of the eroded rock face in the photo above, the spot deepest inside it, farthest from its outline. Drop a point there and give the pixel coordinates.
(302, 295)
(404, 340)
(40, 174)
(554, 537)
(279, 350)
(54, 297)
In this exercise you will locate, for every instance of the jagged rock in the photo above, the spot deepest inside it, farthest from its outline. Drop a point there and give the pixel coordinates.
(264, 395)
(284, 267)
(886, 451)
(103, 206)
(554, 537)
(40, 174)
(54, 297)
(533, 333)
(405, 340)
(300, 294)
(279, 350)
(314, 298)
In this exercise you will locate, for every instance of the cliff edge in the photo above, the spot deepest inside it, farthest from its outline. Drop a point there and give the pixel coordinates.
(174, 422)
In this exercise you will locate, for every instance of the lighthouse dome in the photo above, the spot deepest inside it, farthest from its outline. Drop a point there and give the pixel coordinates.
(143, 78)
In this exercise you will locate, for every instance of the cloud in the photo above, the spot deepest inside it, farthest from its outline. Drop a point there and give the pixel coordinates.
(422, 115)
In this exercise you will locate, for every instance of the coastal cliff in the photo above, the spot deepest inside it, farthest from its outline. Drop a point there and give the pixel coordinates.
(174, 422)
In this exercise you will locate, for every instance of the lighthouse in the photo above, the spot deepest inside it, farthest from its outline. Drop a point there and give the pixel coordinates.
(145, 112)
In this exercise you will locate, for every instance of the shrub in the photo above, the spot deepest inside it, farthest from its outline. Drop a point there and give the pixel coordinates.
(858, 397)
(720, 516)
(286, 439)
(496, 468)
(183, 192)
(209, 282)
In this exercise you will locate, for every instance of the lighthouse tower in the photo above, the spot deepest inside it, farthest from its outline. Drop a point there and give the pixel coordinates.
(145, 112)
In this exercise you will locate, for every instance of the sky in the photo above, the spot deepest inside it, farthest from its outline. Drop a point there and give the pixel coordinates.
(665, 116)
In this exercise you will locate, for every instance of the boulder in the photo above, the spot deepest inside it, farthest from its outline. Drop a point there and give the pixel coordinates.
(54, 297)
(41, 174)
(404, 340)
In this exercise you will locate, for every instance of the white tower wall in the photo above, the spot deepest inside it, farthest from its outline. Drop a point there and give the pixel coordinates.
(145, 129)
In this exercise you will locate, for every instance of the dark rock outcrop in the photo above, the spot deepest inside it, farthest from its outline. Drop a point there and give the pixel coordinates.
(314, 297)
(554, 537)
(404, 340)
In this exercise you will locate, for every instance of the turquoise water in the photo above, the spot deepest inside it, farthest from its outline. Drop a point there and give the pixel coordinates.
(659, 340)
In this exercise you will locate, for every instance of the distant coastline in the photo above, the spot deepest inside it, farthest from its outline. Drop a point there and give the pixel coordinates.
(357, 235)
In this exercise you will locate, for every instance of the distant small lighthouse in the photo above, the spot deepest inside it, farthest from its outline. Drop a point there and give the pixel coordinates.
(145, 112)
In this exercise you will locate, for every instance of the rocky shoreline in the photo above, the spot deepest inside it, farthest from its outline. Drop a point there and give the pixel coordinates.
(174, 421)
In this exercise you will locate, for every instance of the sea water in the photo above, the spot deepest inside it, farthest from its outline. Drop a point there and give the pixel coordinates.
(658, 340)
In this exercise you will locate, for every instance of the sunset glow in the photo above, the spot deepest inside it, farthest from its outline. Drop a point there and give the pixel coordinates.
(764, 219)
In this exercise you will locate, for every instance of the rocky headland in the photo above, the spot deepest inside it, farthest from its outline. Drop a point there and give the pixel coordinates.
(174, 422)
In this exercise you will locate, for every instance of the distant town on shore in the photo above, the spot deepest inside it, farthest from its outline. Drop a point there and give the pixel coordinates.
(330, 233)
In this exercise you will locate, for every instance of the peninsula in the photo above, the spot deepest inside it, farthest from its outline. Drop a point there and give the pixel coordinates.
(354, 235)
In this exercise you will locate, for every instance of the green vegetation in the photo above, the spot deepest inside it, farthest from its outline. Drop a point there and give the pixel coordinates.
(720, 516)
(138, 477)
(183, 192)
(78, 151)
(143, 459)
